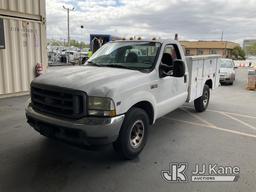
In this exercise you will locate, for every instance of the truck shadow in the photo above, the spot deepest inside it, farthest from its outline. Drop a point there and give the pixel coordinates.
(52, 165)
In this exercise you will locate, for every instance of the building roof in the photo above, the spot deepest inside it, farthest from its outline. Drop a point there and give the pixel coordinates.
(250, 40)
(208, 44)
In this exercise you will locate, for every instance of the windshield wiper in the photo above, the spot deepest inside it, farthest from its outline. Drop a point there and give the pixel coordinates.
(93, 63)
(117, 66)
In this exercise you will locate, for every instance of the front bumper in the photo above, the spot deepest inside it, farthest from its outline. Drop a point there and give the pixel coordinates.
(227, 78)
(85, 131)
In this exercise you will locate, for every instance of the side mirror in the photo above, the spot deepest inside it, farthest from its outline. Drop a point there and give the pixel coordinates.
(179, 68)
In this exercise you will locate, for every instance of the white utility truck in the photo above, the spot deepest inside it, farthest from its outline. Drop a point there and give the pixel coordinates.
(119, 93)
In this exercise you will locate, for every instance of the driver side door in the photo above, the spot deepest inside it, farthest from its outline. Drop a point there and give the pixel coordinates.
(172, 91)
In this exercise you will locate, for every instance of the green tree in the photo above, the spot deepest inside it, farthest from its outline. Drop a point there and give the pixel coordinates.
(54, 42)
(73, 42)
(251, 50)
(78, 44)
(238, 53)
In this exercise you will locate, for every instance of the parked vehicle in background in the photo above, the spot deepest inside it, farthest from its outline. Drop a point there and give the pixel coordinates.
(70, 56)
(58, 55)
(227, 71)
(119, 93)
(83, 57)
(253, 65)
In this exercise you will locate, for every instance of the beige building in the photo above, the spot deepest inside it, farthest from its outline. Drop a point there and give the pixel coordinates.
(22, 44)
(222, 48)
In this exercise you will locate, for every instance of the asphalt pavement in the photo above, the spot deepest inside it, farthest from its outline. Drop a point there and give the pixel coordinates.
(224, 135)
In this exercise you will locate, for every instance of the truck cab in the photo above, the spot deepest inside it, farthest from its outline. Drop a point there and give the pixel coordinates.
(121, 90)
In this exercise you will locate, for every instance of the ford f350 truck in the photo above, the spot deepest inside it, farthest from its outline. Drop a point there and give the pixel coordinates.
(121, 90)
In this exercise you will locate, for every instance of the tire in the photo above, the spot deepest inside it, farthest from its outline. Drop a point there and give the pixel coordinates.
(231, 83)
(135, 125)
(202, 102)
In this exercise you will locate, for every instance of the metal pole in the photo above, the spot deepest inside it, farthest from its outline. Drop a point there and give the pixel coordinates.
(68, 28)
(176, 37)
(80, 59)
(68, 10)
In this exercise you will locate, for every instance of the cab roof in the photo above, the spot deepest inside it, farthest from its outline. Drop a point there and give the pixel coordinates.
(150, 40)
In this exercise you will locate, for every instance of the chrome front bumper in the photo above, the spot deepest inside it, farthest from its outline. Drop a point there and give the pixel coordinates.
(88, 130)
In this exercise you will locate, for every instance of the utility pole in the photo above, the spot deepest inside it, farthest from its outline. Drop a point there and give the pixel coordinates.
(222, 36)
(176, 37)
(80, 59)
(68, 10)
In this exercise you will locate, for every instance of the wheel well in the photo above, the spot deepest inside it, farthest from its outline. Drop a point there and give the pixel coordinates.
(148, 108)
(209, 83)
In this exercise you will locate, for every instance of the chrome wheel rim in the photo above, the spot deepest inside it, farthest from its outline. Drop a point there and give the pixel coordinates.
(206, 97)
(137, 134)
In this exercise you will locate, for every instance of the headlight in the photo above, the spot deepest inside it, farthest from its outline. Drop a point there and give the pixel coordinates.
(101, 106)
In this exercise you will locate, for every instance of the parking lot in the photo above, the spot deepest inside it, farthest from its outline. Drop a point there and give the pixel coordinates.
(225, 134)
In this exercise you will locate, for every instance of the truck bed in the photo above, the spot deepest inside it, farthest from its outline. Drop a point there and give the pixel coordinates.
(201, 68)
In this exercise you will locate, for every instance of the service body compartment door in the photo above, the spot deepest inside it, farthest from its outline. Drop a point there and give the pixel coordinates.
(201, 68)
(199, 76)
(216, 66)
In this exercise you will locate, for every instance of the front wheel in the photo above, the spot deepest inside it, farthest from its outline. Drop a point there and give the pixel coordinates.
(202, 102)
(133, 134)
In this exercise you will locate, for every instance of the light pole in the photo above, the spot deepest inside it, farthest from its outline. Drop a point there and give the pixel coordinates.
(68, 10)
(81, 42)
(222, 34)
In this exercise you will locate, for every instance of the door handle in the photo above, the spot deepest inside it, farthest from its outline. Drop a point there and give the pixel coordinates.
(154, 86)
(185, 78)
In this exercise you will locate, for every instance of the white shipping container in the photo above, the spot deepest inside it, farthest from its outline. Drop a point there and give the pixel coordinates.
(30, 9)
(25, 45)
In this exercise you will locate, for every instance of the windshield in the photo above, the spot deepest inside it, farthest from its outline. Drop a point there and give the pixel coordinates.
(226, 63)
(130, 55)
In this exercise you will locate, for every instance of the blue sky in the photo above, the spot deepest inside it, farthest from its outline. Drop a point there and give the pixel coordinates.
(191, 19)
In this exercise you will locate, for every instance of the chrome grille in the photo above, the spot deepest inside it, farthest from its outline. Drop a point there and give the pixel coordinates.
(58, 101)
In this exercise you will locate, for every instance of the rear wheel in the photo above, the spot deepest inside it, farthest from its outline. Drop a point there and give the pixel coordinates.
(202, 102)
(133, 134)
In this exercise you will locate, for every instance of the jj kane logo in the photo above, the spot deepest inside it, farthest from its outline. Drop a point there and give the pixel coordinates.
(176, 173)
(201, 173)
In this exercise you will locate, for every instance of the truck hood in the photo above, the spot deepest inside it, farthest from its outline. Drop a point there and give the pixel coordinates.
(95, 81)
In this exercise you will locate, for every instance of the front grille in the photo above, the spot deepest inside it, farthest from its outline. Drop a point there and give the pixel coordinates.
(58, 101)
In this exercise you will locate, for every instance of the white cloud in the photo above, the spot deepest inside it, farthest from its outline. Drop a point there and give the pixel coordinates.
(192, 19)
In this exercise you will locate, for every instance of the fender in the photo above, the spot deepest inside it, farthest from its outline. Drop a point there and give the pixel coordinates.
(208, 85)
(136, 98)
